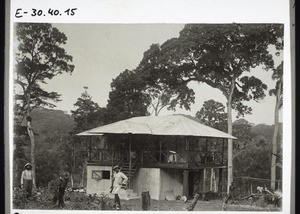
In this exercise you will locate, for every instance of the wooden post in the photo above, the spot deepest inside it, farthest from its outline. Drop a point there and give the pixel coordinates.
(160, 150)
(200, 185)
(193, 204)
(220, 186)
(146, 200)
(204, 181)
(90, 149)
(211, 180)
(187, 147)
(223, 150)
(185, 183)
(129, 176)
(113, 157)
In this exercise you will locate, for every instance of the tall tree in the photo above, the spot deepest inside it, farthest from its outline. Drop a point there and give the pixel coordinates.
(219, 55)
(213, 114)
(87, 115)
(126, 99)
(39, 57)
(278, 93)
(159, 94)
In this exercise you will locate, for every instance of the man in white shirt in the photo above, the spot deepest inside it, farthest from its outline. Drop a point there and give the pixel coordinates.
(119, 178)
(26, 179)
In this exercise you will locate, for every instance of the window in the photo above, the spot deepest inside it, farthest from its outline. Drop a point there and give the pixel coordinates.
(106, 174)
(101, 174)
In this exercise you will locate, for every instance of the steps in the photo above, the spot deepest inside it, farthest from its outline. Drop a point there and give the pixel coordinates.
(125, 170)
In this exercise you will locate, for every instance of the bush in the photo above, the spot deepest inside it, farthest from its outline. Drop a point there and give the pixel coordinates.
(19, 198)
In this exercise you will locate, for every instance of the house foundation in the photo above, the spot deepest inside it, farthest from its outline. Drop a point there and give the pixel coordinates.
(158, 181)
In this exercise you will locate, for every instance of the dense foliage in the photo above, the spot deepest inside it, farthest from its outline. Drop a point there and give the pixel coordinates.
(52, 129)
(40, 56)
(213, 114)
(126, 98)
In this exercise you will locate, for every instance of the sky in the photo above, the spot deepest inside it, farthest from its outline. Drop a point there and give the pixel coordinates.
(102, 51)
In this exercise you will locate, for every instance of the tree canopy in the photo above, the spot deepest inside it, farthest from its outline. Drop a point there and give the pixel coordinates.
(126, 98)
(40, 56)
(218, 55)
(87, 114)
(213, 114)
(155, 87)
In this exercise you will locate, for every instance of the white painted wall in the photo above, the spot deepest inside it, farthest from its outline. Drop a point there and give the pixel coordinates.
(171, 179)
(156, 181)
(97, 186)
(148, 179)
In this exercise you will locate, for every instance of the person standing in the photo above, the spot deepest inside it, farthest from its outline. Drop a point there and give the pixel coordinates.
(119, 179)
(26, 179)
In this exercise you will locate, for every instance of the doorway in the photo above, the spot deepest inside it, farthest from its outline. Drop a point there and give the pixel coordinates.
(194, 180)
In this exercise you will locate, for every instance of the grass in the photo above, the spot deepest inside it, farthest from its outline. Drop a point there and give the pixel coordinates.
(80, 201)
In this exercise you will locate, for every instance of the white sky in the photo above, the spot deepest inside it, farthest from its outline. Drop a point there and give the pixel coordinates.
(102, 51)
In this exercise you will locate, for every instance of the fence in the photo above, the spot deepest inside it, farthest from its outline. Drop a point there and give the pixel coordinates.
(245, 186)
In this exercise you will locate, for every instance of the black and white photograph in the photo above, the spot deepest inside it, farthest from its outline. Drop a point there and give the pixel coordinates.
(148, 116)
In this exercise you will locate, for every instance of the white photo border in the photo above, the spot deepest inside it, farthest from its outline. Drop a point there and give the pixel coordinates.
(163, 11)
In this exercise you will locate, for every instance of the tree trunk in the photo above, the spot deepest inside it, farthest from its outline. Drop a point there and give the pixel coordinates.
(274, 141)
(146, 200)
(213, 182)
(32, 140)
(230, 142)
(83, 173)
(186, 183)
(73, 166)
(32, 153)
(72, 181)
(204, 181)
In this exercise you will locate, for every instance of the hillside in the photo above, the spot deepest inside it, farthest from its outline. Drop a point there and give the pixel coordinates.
(50, 121)
(51, 129)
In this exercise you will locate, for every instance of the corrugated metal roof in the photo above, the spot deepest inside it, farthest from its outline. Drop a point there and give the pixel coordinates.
(86, 133)
(159, 125)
